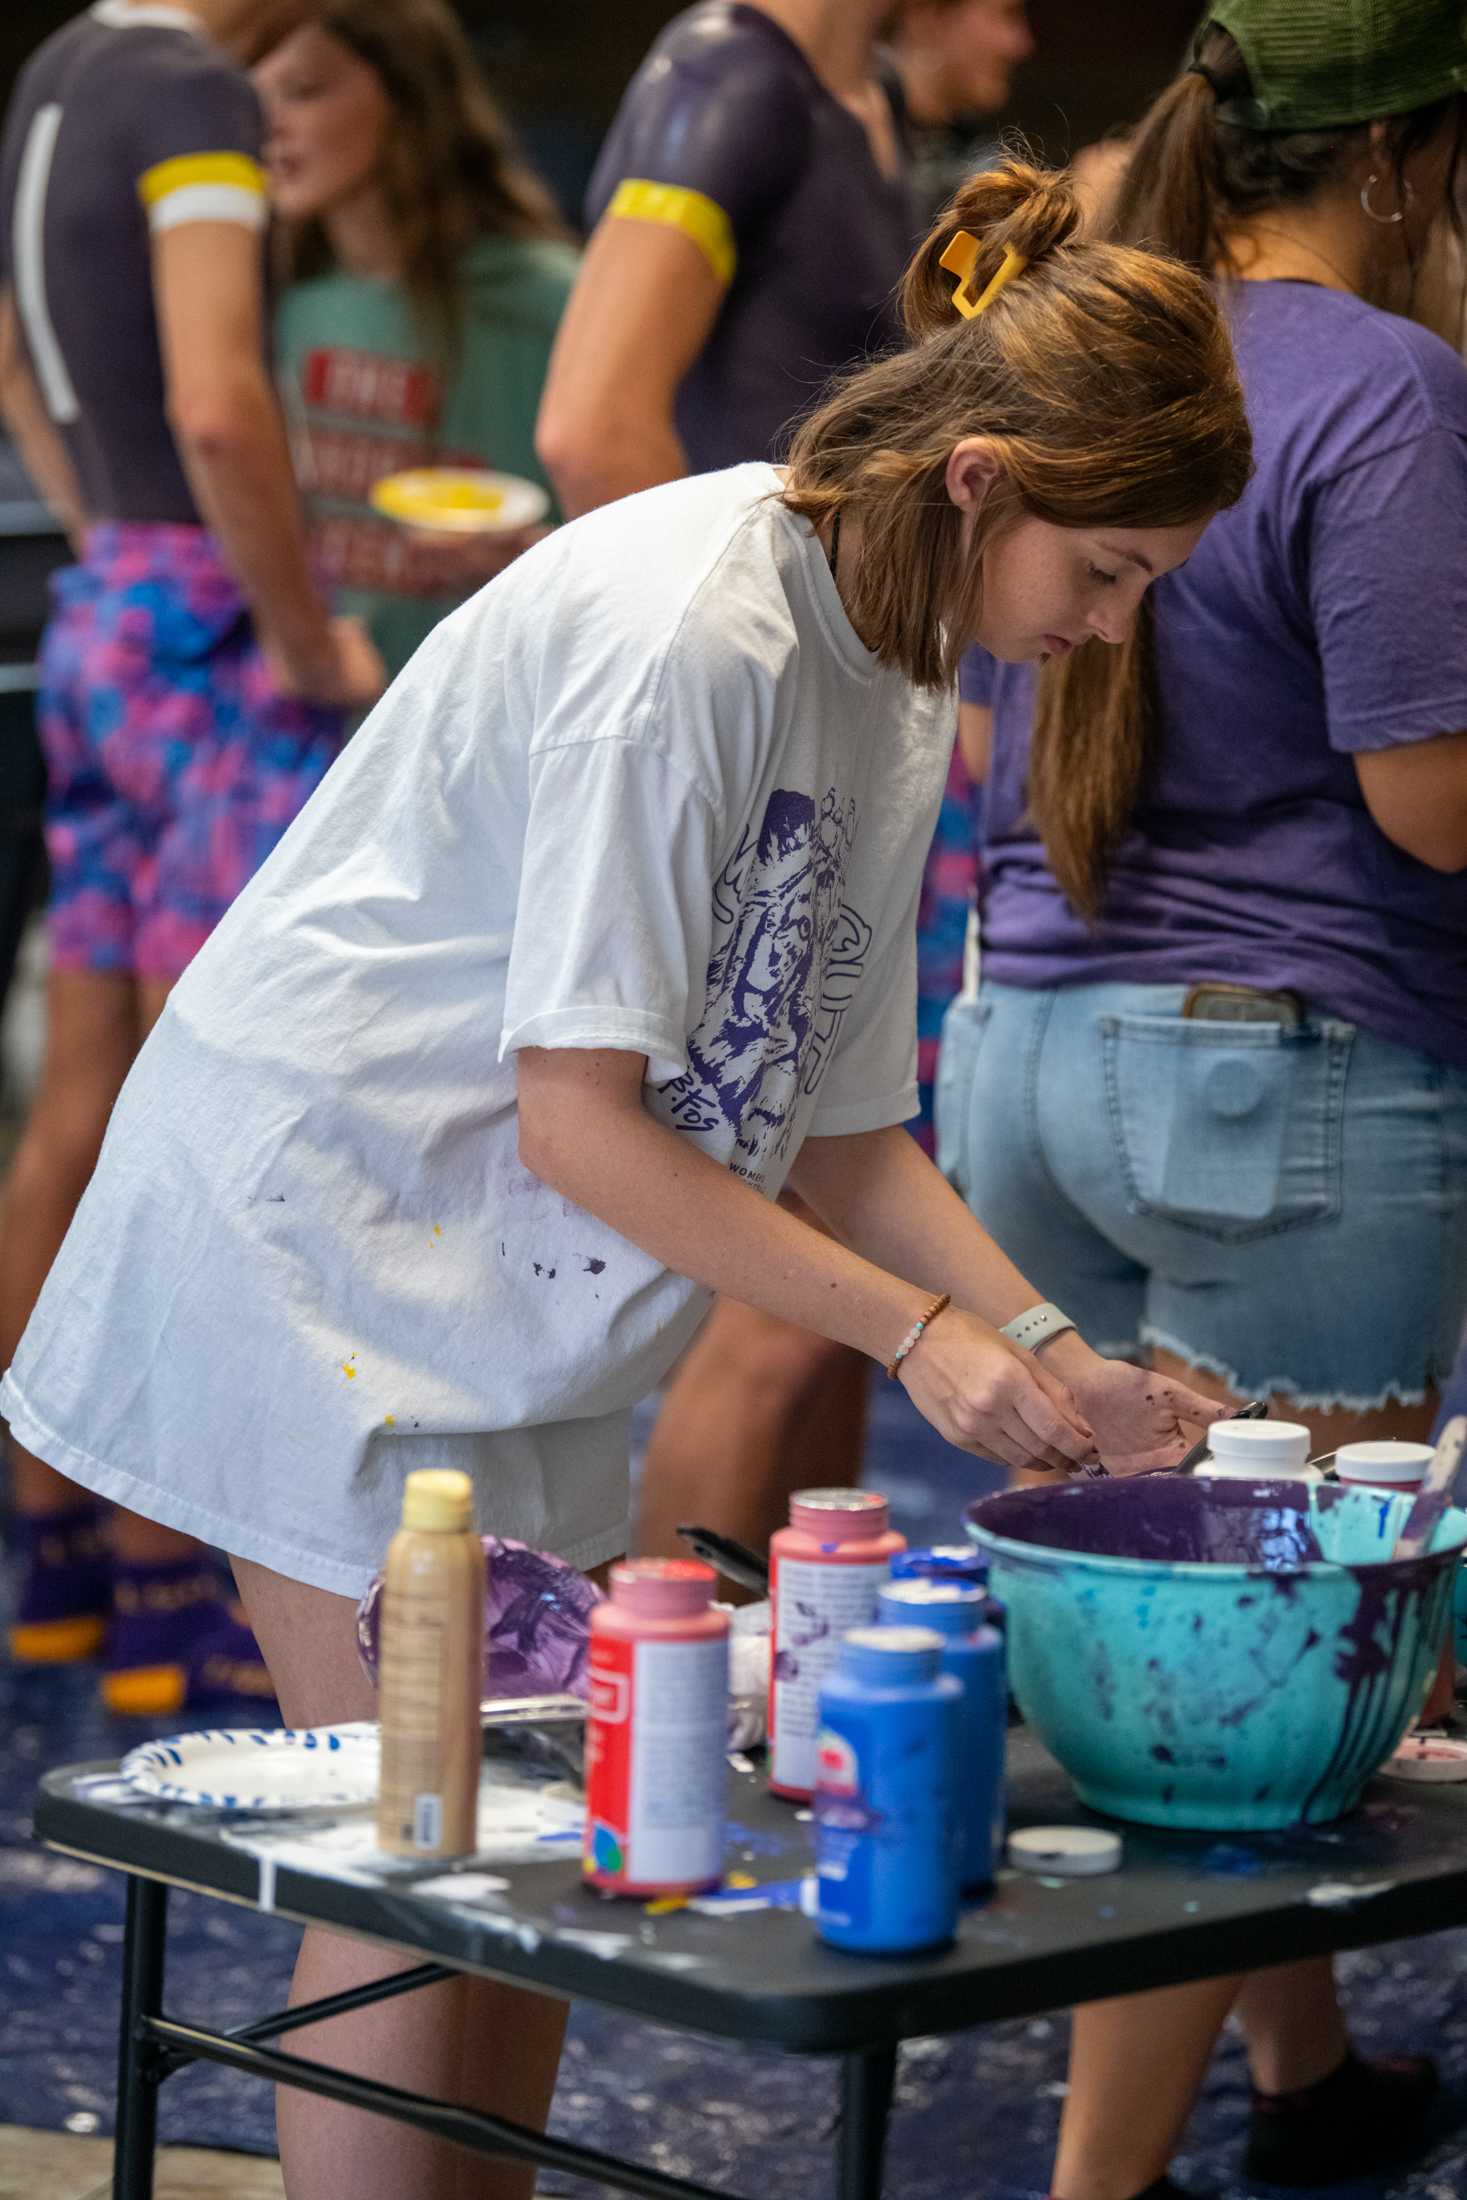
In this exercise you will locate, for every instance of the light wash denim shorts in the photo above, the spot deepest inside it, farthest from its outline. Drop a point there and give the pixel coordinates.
(1285, 1208)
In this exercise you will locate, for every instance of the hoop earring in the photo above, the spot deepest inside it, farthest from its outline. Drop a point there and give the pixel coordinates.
(1386, 221)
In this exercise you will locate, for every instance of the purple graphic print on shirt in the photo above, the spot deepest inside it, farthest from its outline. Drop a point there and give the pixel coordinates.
(787, 958)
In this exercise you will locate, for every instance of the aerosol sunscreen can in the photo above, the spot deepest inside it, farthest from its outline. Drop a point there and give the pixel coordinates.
(430, 1673)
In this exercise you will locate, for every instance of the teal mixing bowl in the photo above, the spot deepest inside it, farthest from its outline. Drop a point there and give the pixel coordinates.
(1231, 1655)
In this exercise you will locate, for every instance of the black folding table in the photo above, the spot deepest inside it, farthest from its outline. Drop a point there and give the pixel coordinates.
(1183, 1906)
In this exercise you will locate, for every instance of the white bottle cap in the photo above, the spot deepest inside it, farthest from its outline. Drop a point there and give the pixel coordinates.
(1065, 1852)
(1256, 1447)
(1387, 1464)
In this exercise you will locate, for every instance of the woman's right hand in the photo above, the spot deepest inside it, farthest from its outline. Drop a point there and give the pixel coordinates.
(987, 1396)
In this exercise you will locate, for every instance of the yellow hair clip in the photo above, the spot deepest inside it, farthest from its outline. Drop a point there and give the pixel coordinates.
(961, 257)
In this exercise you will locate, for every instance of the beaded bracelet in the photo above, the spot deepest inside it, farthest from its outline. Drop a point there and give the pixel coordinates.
(928, 1314)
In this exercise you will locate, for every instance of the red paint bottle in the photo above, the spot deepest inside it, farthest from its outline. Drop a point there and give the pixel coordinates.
(657, 1737)
(825, 1569)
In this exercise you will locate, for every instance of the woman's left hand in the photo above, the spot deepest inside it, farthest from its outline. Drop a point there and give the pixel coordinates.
(1137, 1415)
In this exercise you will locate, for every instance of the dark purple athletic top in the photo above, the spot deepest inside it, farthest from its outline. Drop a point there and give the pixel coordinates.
(125, 123)
(727, 112)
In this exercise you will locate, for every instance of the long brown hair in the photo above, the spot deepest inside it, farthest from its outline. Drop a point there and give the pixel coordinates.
(450, 171)
(1101, 376)
(1191, 183)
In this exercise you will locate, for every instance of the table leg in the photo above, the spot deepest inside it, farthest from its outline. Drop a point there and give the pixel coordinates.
(138, 2061)
(866, 2084)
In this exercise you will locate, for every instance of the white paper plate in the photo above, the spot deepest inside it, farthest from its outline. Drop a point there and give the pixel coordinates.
(459, 500)
(255, 1768)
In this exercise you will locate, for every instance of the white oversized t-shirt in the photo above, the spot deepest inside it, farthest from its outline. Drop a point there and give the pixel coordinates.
(648, 790)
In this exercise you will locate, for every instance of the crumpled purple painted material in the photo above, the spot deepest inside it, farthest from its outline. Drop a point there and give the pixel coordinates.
(537, 1622)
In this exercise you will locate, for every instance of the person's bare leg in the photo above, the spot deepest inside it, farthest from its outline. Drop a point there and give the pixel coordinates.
(829, 1433)
(1293, 2025)
(93, 1027)
(508, 2067)
(756, 1408)
(1135, 2066)
(1327, 1430)
(423, 2041)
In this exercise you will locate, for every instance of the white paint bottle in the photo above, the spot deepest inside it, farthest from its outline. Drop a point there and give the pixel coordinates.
(1270, 1450)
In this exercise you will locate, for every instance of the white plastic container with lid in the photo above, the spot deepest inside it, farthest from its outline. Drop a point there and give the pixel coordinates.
(1386, 1464)
(1253, 1448)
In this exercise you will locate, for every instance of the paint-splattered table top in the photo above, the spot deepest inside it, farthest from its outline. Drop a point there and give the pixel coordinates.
(747, 1965)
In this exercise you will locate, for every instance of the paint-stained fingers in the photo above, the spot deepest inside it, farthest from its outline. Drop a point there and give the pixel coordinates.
(1189, 1405)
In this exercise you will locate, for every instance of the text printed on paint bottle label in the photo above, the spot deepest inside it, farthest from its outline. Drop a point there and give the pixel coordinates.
(814, 1606)
(655, 1766)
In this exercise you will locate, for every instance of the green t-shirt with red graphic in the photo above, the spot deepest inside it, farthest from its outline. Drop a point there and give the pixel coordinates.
(364, 399)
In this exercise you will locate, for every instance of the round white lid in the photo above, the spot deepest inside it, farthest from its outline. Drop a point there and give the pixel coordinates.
(1260, 1446)
(1387, 1459)
(1428, 1757)
(1065, 1852)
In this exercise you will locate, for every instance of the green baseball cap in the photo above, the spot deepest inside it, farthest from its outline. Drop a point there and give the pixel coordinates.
(1323, 64)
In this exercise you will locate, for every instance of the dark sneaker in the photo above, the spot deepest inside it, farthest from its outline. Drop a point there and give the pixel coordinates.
(65, 1586)
(1359, 2118)
(177, 1639)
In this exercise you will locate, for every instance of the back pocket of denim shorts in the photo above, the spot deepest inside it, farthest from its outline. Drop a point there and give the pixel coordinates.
(1229, 1129)
(957, 1065)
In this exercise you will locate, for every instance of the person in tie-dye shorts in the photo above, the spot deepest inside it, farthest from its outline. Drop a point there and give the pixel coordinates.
(174, 763)
(133, 378)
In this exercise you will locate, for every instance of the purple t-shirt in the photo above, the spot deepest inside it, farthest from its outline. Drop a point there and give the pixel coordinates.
(1324, 616)
(727, 106)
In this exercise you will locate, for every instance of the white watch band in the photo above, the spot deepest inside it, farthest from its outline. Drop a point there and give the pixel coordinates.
(1036, 1325)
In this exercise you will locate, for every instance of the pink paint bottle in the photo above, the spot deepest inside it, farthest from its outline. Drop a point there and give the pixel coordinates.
(657, 1736)
(824, 1571)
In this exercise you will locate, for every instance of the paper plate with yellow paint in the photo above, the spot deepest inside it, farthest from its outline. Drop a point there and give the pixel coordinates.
(460, 500)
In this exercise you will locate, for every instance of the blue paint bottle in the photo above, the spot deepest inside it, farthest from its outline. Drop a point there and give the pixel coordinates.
(884, 1809)
(942, 1562)
(973, 1653)
(950, 1562)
